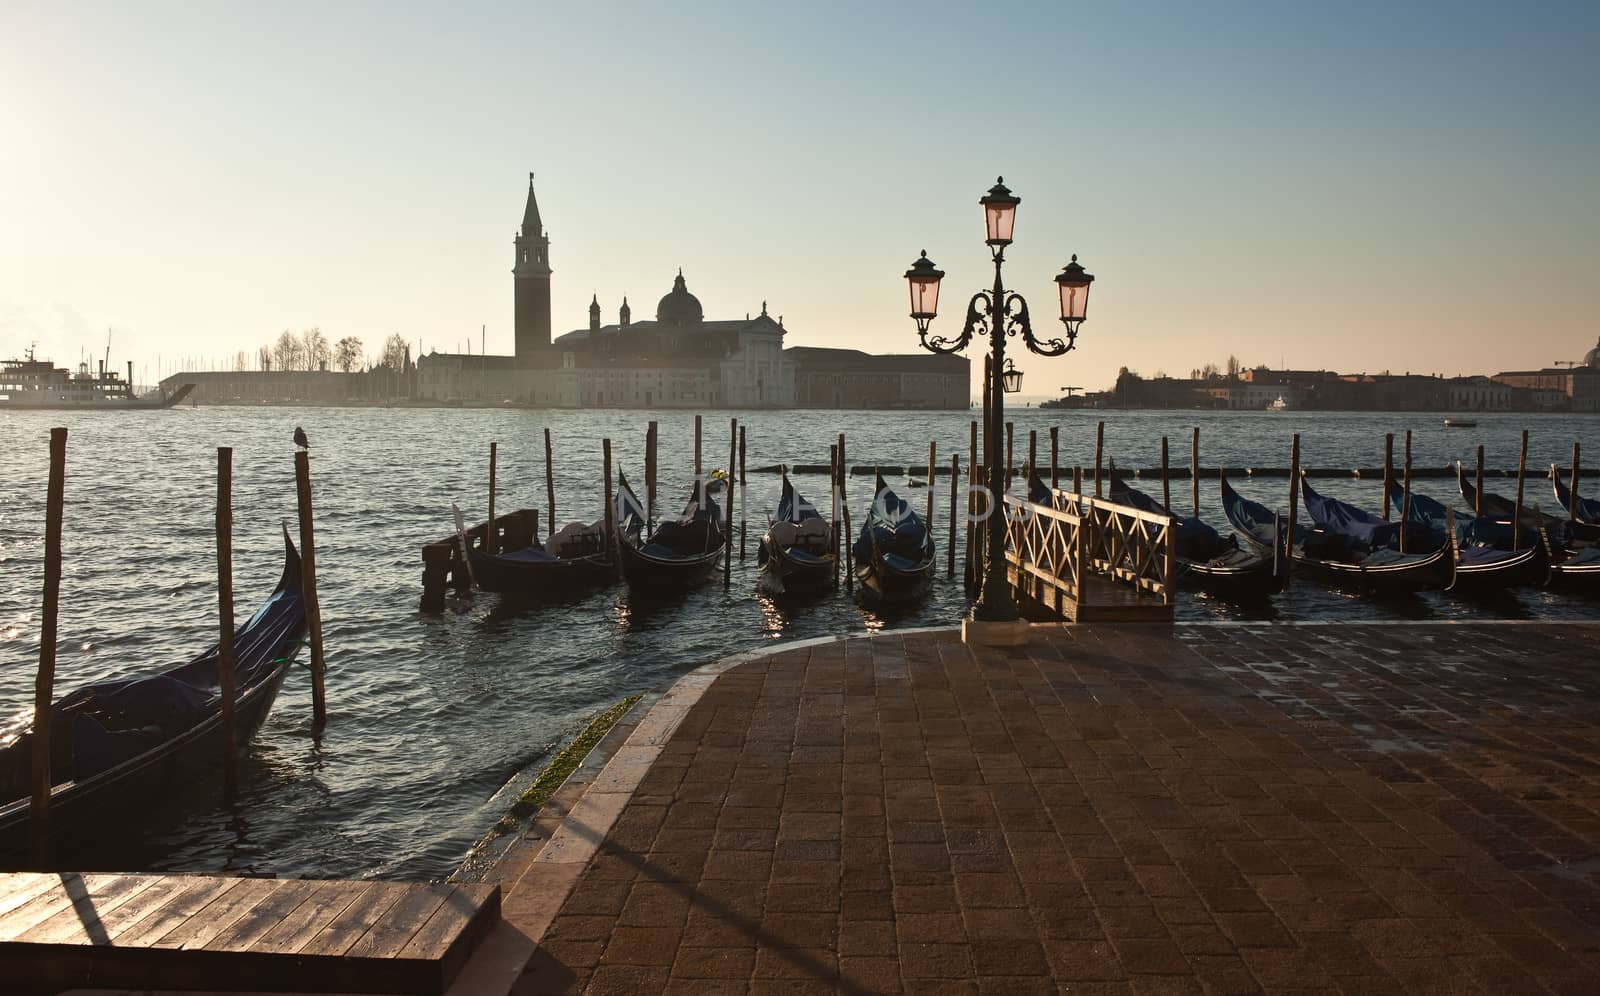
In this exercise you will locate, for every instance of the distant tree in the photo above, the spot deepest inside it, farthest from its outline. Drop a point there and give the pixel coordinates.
(1209, 372)
(264, 358)
(395, 352)
(241, 361)
(347, 354)
(286, 353)
(1159, 375)
(314, 349)
(1233, 367)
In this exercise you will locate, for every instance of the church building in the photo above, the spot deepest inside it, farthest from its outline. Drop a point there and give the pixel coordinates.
(677, 360)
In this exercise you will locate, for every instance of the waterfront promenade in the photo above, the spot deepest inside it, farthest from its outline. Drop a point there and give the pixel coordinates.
(1199, 808)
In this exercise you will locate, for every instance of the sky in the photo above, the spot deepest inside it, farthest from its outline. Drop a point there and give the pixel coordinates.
(1352, 186)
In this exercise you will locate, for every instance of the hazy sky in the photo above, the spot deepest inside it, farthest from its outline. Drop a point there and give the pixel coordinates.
(1405, 186)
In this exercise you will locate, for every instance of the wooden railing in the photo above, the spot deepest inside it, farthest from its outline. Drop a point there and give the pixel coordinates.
(1080, 556)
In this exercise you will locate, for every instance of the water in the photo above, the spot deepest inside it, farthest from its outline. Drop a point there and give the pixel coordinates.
(430, 716)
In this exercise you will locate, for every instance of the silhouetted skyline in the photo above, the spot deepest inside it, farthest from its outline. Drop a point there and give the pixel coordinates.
(1350, 187)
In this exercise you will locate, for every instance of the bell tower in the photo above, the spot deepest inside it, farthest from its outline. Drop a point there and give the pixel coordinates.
(531, 277)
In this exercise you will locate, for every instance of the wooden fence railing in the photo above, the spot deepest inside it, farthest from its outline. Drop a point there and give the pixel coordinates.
(1083, 557)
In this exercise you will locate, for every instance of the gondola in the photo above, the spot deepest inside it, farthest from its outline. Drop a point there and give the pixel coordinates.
(575, 557)
(1208, 561)
(1587, 512)
(1339, 559)
(678, 552)
(1481, 566)
(119, 744)
(1559, 532)
(894, 553)
(796, 554)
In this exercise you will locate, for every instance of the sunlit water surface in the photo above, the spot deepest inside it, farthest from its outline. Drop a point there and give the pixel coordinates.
(430, 716)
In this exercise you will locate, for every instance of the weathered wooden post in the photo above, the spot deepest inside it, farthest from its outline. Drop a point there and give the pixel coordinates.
(844, 474)
(491, 538)
(225, 662)
(610, 512)
(1055, 453)
(1516, 518)
(1294, 499)
(1009, 427)
(697, 468)
(950, 546)
(1194, 470)
(727, 501)
(549, 485)
(1388, 470)
(1099, 450)
(308, 586)
(849, 556)
(1572, 492)
(742, 520)
(1477, 506)
(969, 554)
(1166, 493)
(435, 573)
(1033, 452)
(931, 479)
(833, 507)
(44, 680)
(1404, 510)
(652, 467)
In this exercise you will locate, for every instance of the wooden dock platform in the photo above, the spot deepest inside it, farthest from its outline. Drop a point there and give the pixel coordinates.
(111, 930)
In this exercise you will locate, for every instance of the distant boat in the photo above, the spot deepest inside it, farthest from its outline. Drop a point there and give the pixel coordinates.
(1279, 405)
(35, 383)
(1460, 423)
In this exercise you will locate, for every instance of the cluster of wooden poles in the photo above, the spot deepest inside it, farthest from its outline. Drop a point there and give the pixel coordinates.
(44, 683)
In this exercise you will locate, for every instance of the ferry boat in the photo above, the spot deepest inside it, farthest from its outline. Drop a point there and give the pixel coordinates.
(1279, 405)
(35, 383)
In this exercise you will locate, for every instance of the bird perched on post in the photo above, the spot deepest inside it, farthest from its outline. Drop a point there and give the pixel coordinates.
(300, 438)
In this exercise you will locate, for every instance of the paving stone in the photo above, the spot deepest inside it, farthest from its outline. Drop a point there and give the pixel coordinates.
(1219, 809)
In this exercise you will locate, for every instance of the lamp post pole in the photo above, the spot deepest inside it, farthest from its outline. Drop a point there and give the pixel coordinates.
(997, 314)
(995, 603)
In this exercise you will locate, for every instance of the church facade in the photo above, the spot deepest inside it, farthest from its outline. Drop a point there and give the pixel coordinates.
(678, 359)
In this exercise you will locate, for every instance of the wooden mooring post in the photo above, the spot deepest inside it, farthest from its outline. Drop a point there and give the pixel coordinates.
(549, 485)
(1055, 453)
(1388, 470)
(697, 466)
(225, 650)
(1033, 456)
(44, 679)
(729, 484)
(1294, 501)
(833, 507)
(1572, 491)
(651, 468)
(955, 487)
(491, 539)
(1477, 506)
(742, 527)
(610, 517)
(1099, 451)
(1404, 511)
(968, 556)
(849, 556)
(1009, 427)
(308, 586)
(1516, 511)
(1194, 470)
(931, 480)
(1166, 493)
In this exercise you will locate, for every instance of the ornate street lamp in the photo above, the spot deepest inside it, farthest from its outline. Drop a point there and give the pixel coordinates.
(1011, 380)
(997, 314)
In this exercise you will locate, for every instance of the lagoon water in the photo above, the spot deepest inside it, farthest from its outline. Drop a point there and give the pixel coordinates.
(430, 717)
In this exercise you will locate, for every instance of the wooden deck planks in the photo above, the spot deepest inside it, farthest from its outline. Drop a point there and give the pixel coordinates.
(193, 932)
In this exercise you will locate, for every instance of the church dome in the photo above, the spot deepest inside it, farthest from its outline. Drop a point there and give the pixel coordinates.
(1592, 357)
(679, 307)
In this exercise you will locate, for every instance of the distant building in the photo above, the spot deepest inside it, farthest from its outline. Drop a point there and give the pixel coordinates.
(1479, 394)
(849, 378)
(1579, 387)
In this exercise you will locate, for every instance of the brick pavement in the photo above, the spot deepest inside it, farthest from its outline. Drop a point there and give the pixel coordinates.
(1203, 808)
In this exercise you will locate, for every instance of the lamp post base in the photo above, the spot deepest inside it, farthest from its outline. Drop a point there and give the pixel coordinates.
(981, 633)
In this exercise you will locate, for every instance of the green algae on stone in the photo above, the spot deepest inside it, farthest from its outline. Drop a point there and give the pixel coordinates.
(572, 755)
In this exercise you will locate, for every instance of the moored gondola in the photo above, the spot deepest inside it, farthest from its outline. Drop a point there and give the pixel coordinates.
(1481, 566)
(1206, 560)
(572, 559)
(1587, 510)
(796, 554)
(122, 743)
(1339, 559)
(894, 554)
(1559, 532)
(677, 552)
